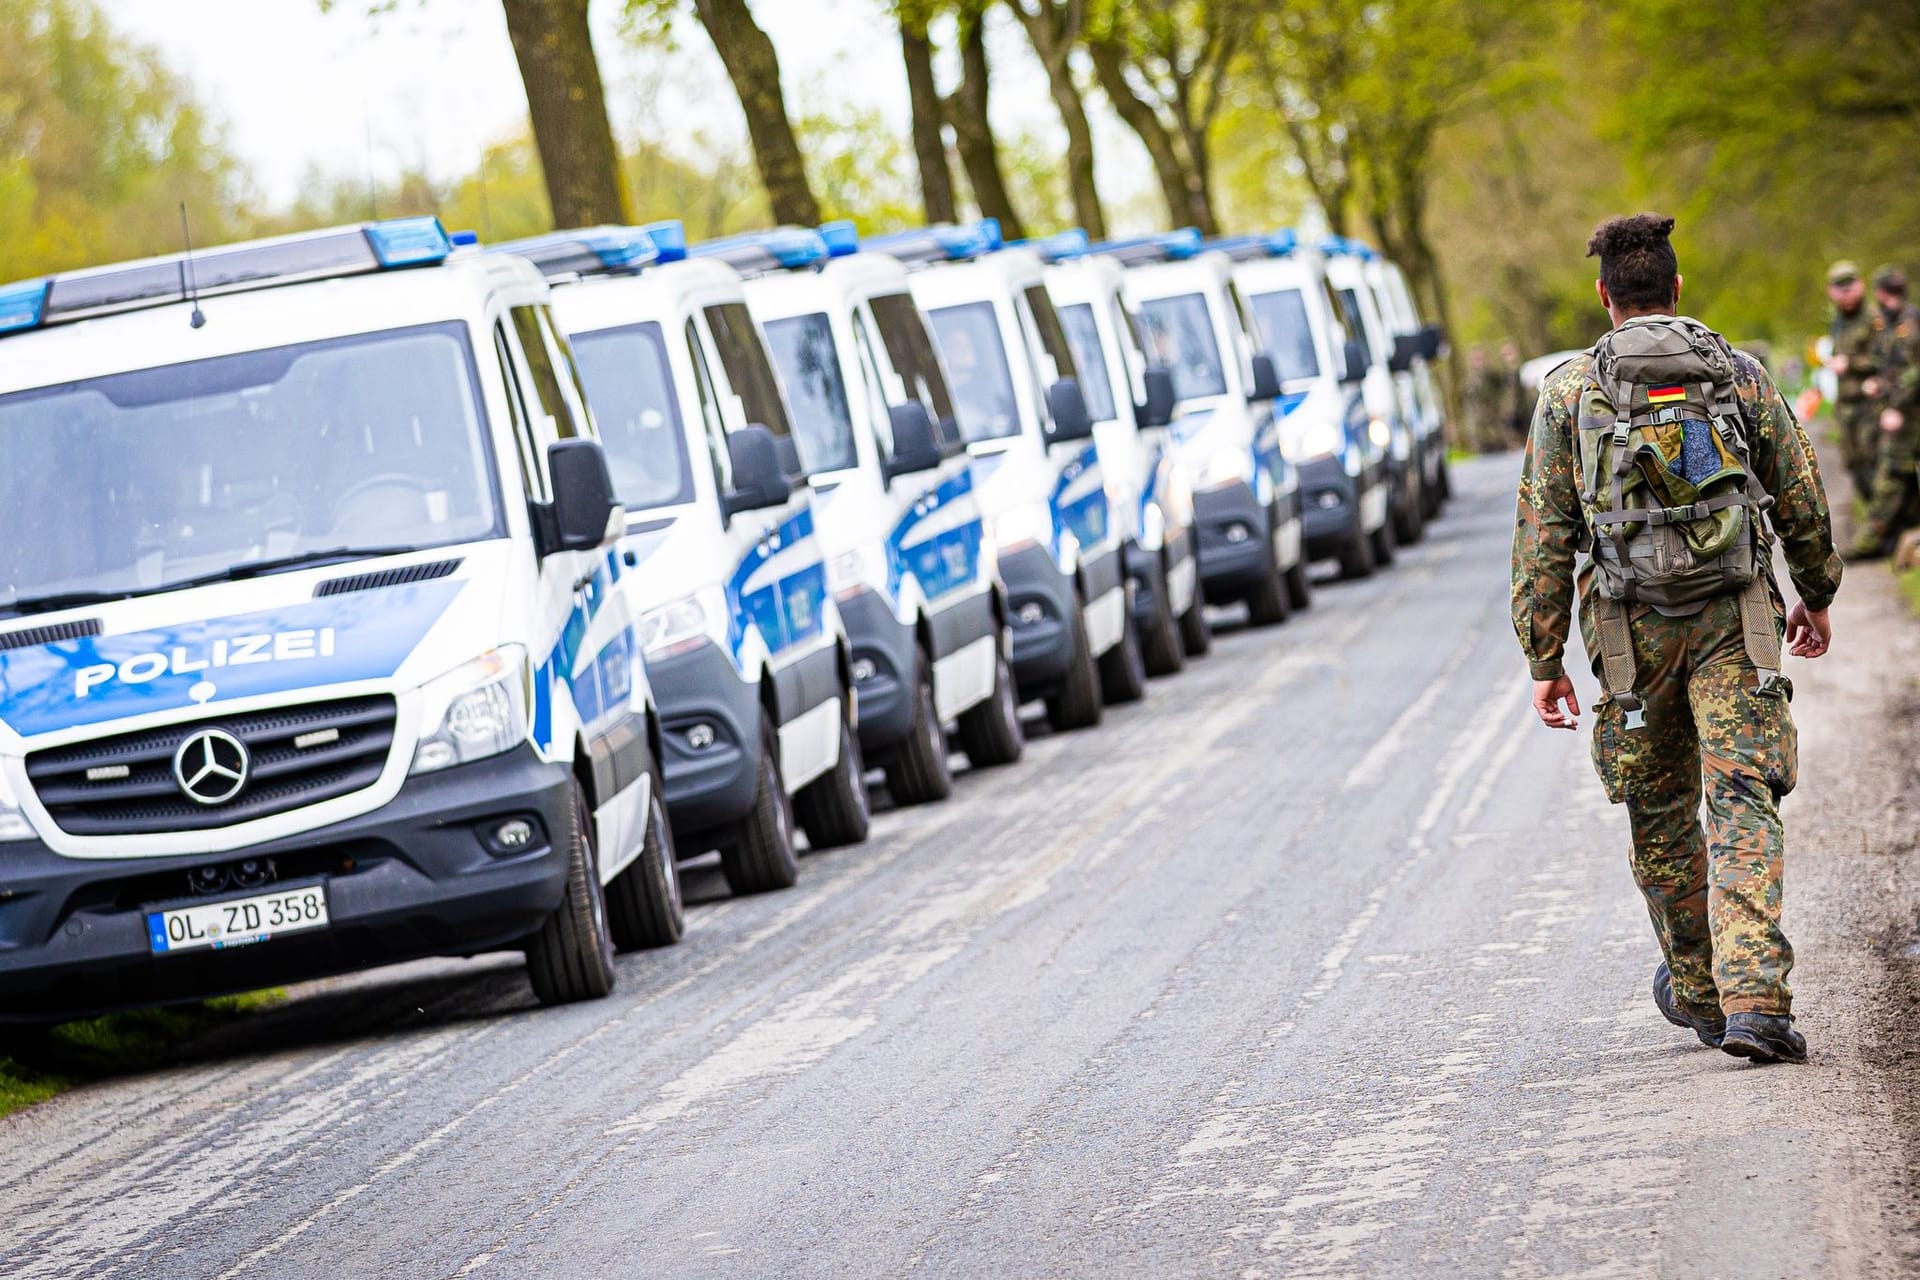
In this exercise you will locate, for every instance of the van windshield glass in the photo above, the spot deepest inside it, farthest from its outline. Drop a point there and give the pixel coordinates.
(1356, 324)
(1286, 333)
(1083, 335)
(1179, 335)
(630, 386)
(137, 482)
(803, 351)
(982, 384)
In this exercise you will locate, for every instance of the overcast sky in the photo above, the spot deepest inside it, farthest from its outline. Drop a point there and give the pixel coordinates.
(432, 83)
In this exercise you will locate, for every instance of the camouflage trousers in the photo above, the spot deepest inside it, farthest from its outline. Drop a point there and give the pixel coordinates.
(1859, 423)
(1714, 892)
(1889, 507)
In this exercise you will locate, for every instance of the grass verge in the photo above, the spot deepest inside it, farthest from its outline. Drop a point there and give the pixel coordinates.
(1909, 582)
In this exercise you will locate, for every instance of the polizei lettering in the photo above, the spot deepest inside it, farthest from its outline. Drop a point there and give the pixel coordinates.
(182, 660)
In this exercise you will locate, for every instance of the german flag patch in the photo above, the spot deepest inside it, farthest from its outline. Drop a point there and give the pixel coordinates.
(1665, 395)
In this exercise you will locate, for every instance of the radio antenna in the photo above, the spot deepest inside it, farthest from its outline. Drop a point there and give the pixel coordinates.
(198, 317)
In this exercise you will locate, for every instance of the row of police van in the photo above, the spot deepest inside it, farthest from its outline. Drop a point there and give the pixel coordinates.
(372, 593)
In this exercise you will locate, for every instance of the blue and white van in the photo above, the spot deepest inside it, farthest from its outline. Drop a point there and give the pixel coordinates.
(1226, 424)
(1412, 452)
(1152, 487)
(910, 567)
(1037, 470)
(1416, 345)
(743, 640)
(316, 651)
(1339, 448)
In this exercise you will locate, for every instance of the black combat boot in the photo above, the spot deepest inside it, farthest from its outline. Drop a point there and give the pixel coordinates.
(1709, 1029)
(1763, 1037)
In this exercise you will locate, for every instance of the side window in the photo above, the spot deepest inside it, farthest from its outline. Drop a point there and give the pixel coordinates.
(572, 386)
(542, 364)
(911, 352)
(1130, 352)
(712, 424)
(876, 383)
(744, 358)
(1053, 339)
(1356, 330)
(531, 476)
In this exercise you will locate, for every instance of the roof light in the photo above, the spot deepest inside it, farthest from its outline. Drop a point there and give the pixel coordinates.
(941, 243)
(1337, 245)
(1274, 244)
(588, 251)
(462, 239)
(781, 249)
(842, 238)
(1166, 246)
(408, 242)
(21, 305)
(1062, 247)
(669, 239)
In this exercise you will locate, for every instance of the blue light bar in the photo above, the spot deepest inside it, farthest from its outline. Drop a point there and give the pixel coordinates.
(1166, 246)
(781, 249)
(941, 243)
(669, 239)
(842, 238)
(588, 251)
(22, 305)
(409, 242)
(462, 239)
(1274, 244)
(1062, 247)
(1334, 246)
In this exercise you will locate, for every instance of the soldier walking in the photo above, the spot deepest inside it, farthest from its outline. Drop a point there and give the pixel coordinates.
(1853, 365)
(1894, 389)
(1663, 455)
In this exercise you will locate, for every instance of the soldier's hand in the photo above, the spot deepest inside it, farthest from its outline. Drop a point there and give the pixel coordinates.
(1547, 697)
(1808, 632)
(1839, 364)
(1892, 420)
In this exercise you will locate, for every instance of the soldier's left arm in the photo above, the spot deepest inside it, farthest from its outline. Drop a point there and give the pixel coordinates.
(1784, 460)
(1546, 532)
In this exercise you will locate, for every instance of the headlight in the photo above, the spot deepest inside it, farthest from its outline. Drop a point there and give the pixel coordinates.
(1030, 522)
(847, 575)
(1304, 441)
(1226, 466)
(673, 628)
(13, 823)
(478, 710)
(1379, 432)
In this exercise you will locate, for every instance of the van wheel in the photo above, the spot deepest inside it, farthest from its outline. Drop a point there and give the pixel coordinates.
(1196, 637)
(1077, 705)
(1160, 639)
(1267, 598)
(760, 856)
(990, 732)
(1444, 489)
(1383, 543)
(643, 902)
(1409, 519)
(1123, 671)
(571, 958)
(834, 809)
(1300, 584)
(1356, 558)
(918, 771)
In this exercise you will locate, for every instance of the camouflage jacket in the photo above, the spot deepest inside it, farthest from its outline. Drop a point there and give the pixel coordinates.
(1551, 526)
(1896, 357)
(1853, 337)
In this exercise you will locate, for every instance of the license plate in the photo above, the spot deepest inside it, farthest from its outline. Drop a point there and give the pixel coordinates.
(237, 922)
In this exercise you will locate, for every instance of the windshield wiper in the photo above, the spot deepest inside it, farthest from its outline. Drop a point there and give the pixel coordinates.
(65, 600)
(232, 573)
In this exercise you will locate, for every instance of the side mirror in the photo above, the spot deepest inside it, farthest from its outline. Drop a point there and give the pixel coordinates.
(916, 442)
(788, 450)
(1158, 410)
(584, 514)
(759, 478)
(1068, 418)
(1266, 379)
(1431, 338)
(1355, 361)
(1405, 347)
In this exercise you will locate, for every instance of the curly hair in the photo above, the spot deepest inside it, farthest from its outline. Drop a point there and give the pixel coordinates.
(1637, 262)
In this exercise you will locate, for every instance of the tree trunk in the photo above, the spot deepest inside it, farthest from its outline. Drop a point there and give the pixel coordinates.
(1110, 67)
(966, 111)
(1200, 180)
(568, 109)
(755, 72)
(1052, 30)
(929, 127)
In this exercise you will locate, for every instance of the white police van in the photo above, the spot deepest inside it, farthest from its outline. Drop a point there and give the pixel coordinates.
(894, 506)
(1132, 403)
(1389, 394)
(314, 650)
(1229, 403)
(1037, 469)
(743, 642)
(1338, 448)
(1416, 345)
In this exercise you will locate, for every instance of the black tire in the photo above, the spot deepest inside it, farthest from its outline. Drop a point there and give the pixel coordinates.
(1444, 490)
(834, 809)
(1383, 543)
(1410, 520)
(1123, 669)
(571, 957)
(1160, 636)
(1300, 584)
(1356, 558)
(1196, 637)
(760, 856)
(990, 732)
(918, 771)
(1267, 603)
(644, 908)
(1077, 705)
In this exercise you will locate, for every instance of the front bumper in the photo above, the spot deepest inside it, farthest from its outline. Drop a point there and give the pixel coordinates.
(1144, 574)
(1041, 604)
(1332, 505)
(700, 694)
(885, 659)
(411, 879)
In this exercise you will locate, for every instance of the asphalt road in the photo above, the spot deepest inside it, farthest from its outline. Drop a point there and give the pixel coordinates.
(1324, 960)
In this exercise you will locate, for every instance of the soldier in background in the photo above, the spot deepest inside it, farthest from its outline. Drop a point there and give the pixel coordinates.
(1894, 390)
(1853, 365)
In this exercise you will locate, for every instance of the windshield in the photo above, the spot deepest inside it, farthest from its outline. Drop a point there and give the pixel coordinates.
(1287, 333)
(982, 384)
(803, 351)
(1179, 335)
(138, 481)
(630, 386)
(1356, 325)
(1083, 335)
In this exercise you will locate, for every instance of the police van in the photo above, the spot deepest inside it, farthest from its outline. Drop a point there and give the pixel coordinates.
(1339, 449)
(1416, 345)
(743, 642)
(1132, 404)
(894, 506)
(1036, 467)
(1229, 403)
(315, 649)
(1412, 453)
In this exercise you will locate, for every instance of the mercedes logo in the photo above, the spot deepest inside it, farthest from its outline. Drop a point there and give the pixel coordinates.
(211, 766)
